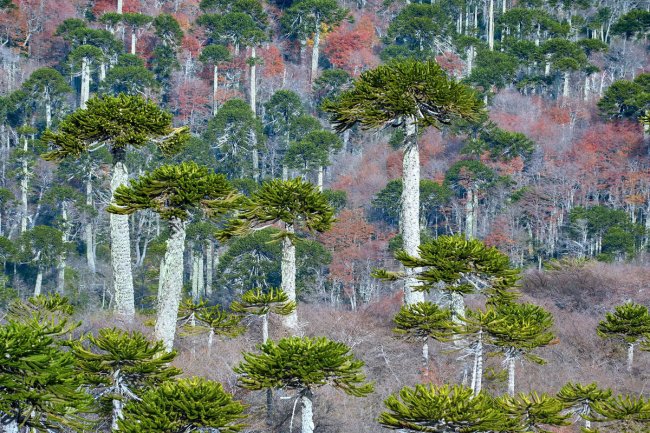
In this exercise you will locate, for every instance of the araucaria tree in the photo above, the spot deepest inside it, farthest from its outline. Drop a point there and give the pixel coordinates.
(522, 329)
(443, 409)
(262, 303)
(173, 192)
(120, 365)
(296, 205)
(411, 95)
(120, 123)
(580, 399)
(185, 405)
(629, 322)
(303, 364)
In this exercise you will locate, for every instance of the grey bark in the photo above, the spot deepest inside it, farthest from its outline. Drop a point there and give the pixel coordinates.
(121, 252)
(288, 268)
(84, 95)
(315, 53)
(307, 412)
(88, 229)
(170, 285)
(39, 282)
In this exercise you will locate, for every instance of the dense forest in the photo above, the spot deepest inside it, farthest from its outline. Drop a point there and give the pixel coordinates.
(324, 216)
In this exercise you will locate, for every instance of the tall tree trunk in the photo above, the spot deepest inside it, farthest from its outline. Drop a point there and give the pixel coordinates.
(253, 82)
(134, 41)
(88, 229)
(307, 412)
(209, 267)
(11, 426)
(511, 376)
(288, 268)
(285, 172)
(425, 353)
(477, 374)
(470, 223)
(85, 82)
(630, 356)
(170, 285)
(565, 87)
(215, 88)
(265, 327)
(491, 26)
(39, 281)
(315, 53)
(410, 216)
(121, 251)
(60, 284)
(119, 6)
(320, 178)
(118, 406)
(24, 187)
(48, 110)
(255, 155)
(195, 276)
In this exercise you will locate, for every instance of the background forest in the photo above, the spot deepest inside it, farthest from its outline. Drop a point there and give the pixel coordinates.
(554, 173)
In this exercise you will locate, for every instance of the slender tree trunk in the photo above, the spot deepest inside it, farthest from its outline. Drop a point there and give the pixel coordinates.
(255, 155)
(511, 377)
(195, 276)
(565, 88)
(48, 110)
(410, 201)
(470, 224)
(134, 41)
(477, 374)
(265, 327)
(307, 412)
(121, 252)
(88, 229)
(630, 357)
(24, 187)
(85, 82)
(288, 268)
(119, 6)
(425, 353)
(39, 282)
(253, 82)
(215, 88)
(320, 178)
(209, 268)
(118, 405)
(60, 284)
(285, 172)
(315, 53)
(170, 286)
(491, 26)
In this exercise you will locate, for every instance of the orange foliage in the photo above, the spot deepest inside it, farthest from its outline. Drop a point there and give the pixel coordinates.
(272, 65)
(350, 46)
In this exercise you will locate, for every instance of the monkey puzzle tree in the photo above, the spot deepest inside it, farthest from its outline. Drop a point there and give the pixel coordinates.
(523, 328)
(119, 123)
(173, 192)
(305, 18)
(39, 387)
(82, 59)
(422, 321)
(296, 205)
(312, 152)
(258, 302)
(579, 399)
(475, 323)
(280, 113)
(629, 322)
(197, 317)
(303, 364)
(43, 247)
(47, 88)
(534, 412)
(443, 409)
(411, 95)
(215, 55)
(119, 365)
(138, 23)
(184, 405)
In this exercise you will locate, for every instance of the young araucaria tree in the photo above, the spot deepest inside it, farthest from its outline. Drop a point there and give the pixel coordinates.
(629, 322)
(303, 364)
(197, 318)
(262, 303)
(173, 192)
(534, 412)
(119, 366)
(579, 399)
(443, 409)
(296, 205)
(185, 405)
(119, 123)
(411, 95)
(521, 329)
(422, 321)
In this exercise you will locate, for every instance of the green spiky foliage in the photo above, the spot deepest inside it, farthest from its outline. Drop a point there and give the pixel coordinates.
(260, 303)
(622, 414)
(523, 328)
(187, 311)
(629, 322)
(52, 311)
(579, 399)
(220, 322)
(425, 320)
(389, 94)
(185, 405)
(442, 409)
(120, 365)
(39, 386)
(173, 191)
(464, 266)
(534, 412)
(293, 202)
(118, 122)
(303, 364)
